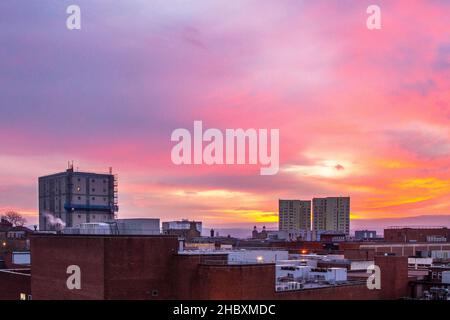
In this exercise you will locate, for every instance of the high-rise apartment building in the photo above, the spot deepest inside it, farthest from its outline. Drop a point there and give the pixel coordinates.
(294, 215)
(70, 198)
(331, 214)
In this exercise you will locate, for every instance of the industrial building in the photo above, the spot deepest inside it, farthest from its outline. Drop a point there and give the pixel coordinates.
(69, 198)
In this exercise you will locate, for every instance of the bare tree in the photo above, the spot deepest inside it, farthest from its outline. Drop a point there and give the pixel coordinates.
(15, 218)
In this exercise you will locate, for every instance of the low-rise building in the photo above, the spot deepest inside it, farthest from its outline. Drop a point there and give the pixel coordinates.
(117, 227)
(365, 234)
(185, 229)
(417, 234)
(152, 267)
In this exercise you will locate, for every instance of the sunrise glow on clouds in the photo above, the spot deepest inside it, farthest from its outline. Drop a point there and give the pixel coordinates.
(361, 113)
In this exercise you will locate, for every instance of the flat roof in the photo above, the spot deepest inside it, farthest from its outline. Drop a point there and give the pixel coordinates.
(402, 244)
(61, 235)
(22, 272)
(81, 173)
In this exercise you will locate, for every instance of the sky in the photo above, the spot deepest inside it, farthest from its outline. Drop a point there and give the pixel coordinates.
(361, 113)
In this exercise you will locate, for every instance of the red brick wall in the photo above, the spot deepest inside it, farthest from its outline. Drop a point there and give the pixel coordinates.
(149, 268)
(312, 246)
(394, 276)
(419, 235)
(111, 267)
(350, 245)
(185, 274)
(50, 257)
(240, 282)
(407, 249)
(349, 292)
(139, 267)
(12, 285)
(359, 254)
(258, 282)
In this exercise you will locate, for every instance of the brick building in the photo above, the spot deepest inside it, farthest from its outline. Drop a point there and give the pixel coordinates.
(185, 229)
(419, 234)
(15, 284)
(150, 267)
(112, 267)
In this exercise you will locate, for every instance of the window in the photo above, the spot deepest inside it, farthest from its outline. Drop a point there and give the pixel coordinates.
(93, 198)
(93, 189)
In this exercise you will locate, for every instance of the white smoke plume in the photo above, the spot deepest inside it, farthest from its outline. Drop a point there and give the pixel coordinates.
(56, 222)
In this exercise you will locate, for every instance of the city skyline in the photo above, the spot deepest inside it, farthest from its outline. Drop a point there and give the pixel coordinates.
(361, 113)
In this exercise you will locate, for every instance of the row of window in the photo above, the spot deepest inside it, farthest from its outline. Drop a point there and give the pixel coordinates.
(93, 180)
(93, 216)
(93, 198)
(78, 188)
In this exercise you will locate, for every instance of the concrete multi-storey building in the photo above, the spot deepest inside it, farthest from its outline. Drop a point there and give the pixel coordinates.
(332, 214)
(69, 198)
(294, 215)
